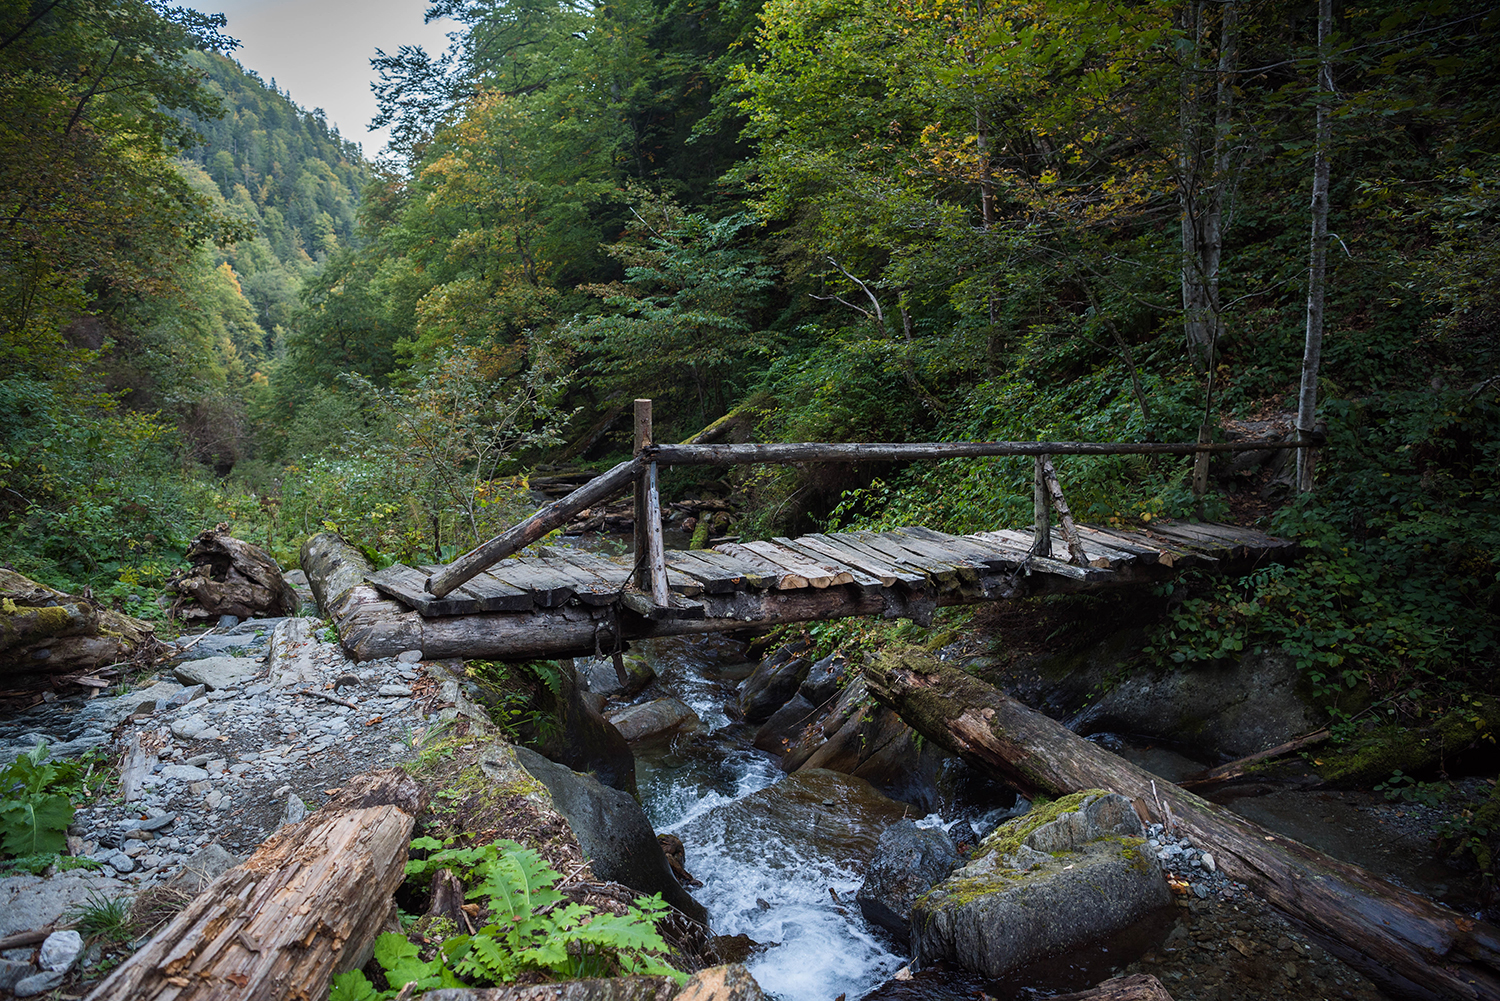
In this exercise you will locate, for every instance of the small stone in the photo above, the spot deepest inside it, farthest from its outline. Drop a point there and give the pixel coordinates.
(227, 621)
(213, 799)
(1290, 969)
(121, 863)
(409, 656)
(139, 835)
(1208, 862)
(150, 861)
(159, 822)
(197, 760)
(60, 951)
(135, 849)
(39, 983)
(185, 773)
(295, 809)
(1200, 890)
(189, 728)
(395, 691)
(1283, 943)
(13, 972)
(215, 766)
(185, 695)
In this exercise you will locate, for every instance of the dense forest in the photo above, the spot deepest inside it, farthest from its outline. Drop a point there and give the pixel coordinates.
(830, 219)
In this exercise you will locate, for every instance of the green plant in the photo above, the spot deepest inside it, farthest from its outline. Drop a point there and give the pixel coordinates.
(532, 927)
(103, 918)
(35, 804)
(1404, 787)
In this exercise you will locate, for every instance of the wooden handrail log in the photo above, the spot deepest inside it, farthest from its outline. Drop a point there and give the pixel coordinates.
(476, 560)
(727, 455)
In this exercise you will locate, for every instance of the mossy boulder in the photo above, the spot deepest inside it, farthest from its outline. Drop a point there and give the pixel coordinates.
(1068, 873)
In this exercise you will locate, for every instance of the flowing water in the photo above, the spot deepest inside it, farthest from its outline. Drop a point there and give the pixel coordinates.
(780, 858)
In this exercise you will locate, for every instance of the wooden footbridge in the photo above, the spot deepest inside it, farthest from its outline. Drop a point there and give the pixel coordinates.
(492, 604)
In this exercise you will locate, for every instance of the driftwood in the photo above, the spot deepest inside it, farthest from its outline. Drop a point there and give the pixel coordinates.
(1231, 770)
(306, 906)
(1393, 933)
(1141, 987)
(229, 576)
(45, 631)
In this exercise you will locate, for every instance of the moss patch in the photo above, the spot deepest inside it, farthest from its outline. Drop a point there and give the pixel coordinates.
(1378, 752)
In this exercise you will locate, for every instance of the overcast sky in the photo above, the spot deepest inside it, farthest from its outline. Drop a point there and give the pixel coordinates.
(320, 50)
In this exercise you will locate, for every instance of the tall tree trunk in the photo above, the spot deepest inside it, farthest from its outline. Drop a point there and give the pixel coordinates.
(1312, 352)
(1205, 171)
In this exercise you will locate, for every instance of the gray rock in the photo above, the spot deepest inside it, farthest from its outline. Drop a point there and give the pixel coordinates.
(228, 621)
(395, 691)
(12, 973)
(409, 657)
(121, 863)
(770, 687)
(186, 694)
(824, 679)
(1016, 902)
(185, 773)
(908, 862)
(786, 725)
(656, 720)
(31, 902)
(613, 832)
(721, 983)
(597, 675)
(60, 951)
(205, 866)
(218, 672)
(295, 809)
(39, 983)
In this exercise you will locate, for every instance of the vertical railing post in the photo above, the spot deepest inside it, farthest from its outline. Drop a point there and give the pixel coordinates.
(650, 553)
(642, 545)
(1041, 498)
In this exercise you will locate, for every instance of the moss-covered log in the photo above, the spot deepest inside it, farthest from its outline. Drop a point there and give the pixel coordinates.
(45, 631)
(1394, 934)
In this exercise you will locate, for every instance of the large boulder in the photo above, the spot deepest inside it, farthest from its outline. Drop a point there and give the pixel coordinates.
(613, 832)
(597, 675)
(786, 725)
(825, 679)
(909, 861)
(770, 687)
(1059, 877)
(582, 738)
(655, 721)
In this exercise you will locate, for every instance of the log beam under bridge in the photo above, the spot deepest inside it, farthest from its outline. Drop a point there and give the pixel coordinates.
(569, 602)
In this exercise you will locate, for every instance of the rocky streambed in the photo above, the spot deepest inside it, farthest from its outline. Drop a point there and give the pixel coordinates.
(781, 779)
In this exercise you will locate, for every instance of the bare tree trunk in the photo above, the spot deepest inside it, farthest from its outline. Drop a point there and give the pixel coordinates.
(1204, 179)
(1312, 352)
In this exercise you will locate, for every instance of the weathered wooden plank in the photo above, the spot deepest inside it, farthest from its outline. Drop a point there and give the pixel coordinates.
(872, 561)
(942, 570)
(615, 573)
(1119, 553)
(409, 586)
(870, 568)
(660, 585)
(712, 578)
(645, 605)
(858, 578)
(968, 570)
(818, 574)
(1172, 553)
(548, 587)
(782, 579)
(588, 586)
(737, 573)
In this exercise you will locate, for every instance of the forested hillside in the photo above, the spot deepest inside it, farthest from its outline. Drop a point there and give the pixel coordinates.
(834, 219)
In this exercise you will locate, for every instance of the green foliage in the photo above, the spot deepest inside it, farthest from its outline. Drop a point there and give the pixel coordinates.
(530, 929)
(1407, 789)
(35, 804)
(101, 918)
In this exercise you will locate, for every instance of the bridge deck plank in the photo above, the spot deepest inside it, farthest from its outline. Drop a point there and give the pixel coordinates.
(899, 562)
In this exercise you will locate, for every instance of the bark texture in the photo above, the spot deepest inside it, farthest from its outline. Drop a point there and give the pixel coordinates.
(231, 577)
(306, 906)
(44, 631)
(1395, 934)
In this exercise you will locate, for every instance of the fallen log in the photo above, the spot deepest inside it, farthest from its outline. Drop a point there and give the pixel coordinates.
(47, 631)
(1394, 935)
(306, 906)
(1141, 987)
